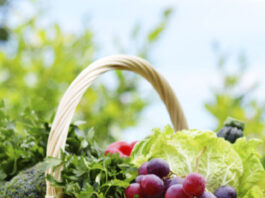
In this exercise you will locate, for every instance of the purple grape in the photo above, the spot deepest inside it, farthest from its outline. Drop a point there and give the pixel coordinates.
(207, 195)
(176, 191)
(167, 183)
(158, 167)
(133, 190)
(143, 169)
(172, 181)
(225, 192)
(194, 184)
(152, 186)
(139, 178)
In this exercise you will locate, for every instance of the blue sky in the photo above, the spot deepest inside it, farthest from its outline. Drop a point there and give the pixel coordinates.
(184, 54)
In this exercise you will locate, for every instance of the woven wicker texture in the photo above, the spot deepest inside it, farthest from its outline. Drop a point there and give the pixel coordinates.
(74, 93)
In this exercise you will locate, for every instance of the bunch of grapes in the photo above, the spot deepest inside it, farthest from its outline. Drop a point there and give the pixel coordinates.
(155, 180)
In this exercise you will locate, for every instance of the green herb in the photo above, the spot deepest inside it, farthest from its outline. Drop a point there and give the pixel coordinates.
(23, 142)
(87, 171)
(91, 173)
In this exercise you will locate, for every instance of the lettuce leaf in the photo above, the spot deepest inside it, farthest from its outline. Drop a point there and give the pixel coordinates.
(255, 192)
(221, 163)
(252, 182)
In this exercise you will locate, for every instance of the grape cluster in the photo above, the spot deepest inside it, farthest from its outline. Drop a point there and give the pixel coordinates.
(155, 180)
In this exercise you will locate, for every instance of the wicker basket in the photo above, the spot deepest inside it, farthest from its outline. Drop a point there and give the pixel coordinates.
(74, 93)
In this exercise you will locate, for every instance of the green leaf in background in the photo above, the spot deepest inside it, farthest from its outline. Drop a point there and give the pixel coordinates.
(37, 64)
(46, 59)
(23, 142)
(234, 99)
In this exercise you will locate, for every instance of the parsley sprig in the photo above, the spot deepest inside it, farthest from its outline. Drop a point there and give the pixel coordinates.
(90, 173)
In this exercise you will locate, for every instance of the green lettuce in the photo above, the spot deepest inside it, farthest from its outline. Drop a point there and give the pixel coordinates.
(255, 192)
(252, 182)
(222, 163)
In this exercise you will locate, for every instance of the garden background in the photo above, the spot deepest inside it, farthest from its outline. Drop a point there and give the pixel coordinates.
(212, 53)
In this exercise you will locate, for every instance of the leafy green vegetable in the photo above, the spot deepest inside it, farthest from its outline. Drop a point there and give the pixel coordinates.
(221, 163)
(255, 192)
(90, 173)
(23, 142)
(87, 172)
(102, 176)
(29, 183)
(253, 178)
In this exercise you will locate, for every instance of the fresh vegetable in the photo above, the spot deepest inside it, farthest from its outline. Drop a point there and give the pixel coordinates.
(92, 173)
(222, 164)
(83, 161)
(88, 172)
(29, 183)
(232, 130)
(123, 148)
(22, 142)
(94, 176)
(252, 181)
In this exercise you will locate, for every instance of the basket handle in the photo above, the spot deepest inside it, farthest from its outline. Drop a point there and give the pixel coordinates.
(71, 98)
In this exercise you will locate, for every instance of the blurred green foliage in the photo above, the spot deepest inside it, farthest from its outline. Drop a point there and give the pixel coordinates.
(236, 100)
(23, 142)
(39, 62)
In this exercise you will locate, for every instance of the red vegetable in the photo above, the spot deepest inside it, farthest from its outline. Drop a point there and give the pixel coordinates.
(123, 148)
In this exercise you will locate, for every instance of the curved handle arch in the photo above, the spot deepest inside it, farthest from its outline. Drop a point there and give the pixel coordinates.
(73, 95)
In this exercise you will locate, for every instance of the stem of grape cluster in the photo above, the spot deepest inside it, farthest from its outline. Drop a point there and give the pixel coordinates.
(173, 173)
(198, 158)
